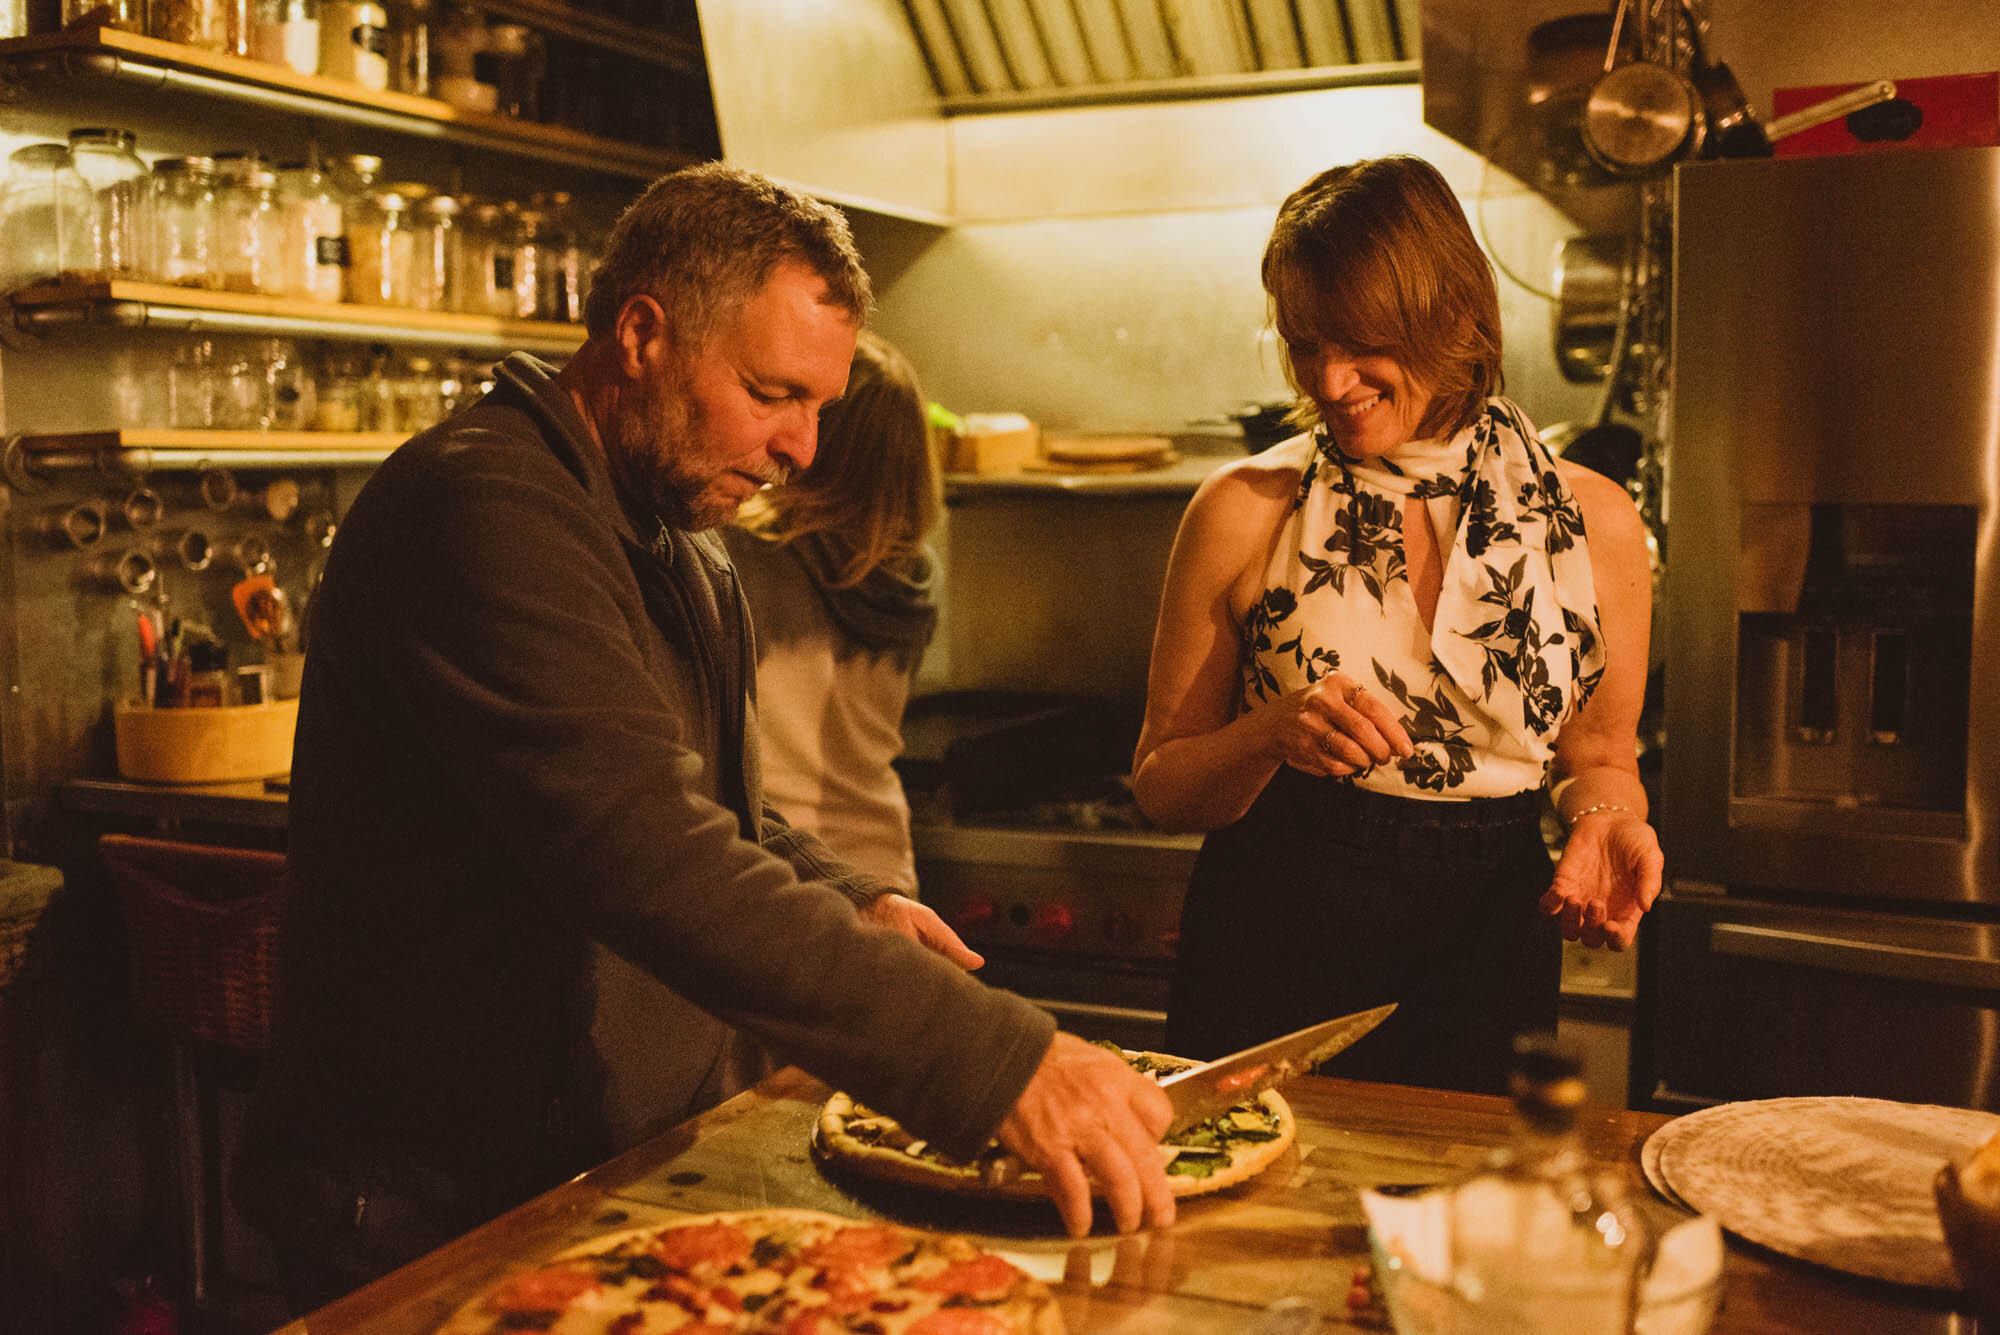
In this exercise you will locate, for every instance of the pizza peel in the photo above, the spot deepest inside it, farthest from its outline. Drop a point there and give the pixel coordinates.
(1200, 1092)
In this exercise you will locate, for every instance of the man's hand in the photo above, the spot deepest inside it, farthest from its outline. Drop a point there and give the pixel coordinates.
(922, 925)
(1088, 1117)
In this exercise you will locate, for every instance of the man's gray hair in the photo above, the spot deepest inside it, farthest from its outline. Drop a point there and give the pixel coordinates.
(705, 239)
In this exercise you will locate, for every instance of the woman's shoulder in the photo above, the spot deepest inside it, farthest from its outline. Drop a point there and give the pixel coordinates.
(1608, 510)
(1268, 479)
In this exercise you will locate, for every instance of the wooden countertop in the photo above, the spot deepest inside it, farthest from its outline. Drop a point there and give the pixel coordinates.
(1296, 1229)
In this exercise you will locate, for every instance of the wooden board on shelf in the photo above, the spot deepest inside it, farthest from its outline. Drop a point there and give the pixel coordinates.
(222, 442)
(474, 328)
(530, 136)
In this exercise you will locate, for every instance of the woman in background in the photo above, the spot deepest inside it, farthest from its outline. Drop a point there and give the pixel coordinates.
(838, 577)
(1377, 642)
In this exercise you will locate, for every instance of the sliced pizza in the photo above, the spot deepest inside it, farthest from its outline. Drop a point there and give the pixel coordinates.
(1227, 1149)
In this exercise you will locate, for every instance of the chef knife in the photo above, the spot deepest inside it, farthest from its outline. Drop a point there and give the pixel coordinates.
(1200, 1092)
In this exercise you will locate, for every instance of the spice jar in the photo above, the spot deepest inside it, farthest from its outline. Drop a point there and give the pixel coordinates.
(250, 233)
(45, 216)
(116, 175)
(191, 386)
(200, 23)
(286, 32)
(314, 245)
(354, 42)
(434, 254)
(181, 202)
(337, 405)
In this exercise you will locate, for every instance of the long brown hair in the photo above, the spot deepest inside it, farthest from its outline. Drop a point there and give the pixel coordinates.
(873, 489)
(1375, 257)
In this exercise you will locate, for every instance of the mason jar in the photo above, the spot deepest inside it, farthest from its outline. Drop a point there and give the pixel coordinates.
(314, 245)
(486, 261)
(434, 253)
(381, 249)
(250, 233)
(116, 175)
(181, 204)
(354, 42)
(286, 32)
(531, 260)
(45, 212)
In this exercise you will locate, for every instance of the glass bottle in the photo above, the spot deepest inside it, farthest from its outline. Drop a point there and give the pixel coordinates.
(116, 175)
(1544, 1242)
(286, 32)
(198, 23)
(314, 231)
(380, 248)
(354, 42)
(512, 61)
(434, 254)
(250, 233)
(45, 215)
(410, 46)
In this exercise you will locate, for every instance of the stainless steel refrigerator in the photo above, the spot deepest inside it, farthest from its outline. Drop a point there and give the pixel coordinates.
(1832, 758)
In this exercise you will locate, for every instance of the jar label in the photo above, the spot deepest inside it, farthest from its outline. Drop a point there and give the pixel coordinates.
(369, 38)
(330, 251)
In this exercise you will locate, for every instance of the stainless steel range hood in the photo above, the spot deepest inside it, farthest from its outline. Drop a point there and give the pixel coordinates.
(987, 55)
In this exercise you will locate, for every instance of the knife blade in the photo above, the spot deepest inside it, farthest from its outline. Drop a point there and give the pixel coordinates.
(1200, 1092)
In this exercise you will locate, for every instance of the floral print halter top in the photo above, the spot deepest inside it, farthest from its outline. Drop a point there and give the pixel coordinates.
(1515, 648)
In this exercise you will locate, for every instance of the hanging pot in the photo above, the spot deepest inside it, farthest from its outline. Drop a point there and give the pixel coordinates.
(1590, 281)
(1640, 117)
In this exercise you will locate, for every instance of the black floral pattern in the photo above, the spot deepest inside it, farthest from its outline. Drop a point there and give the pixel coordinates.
(1529, 658)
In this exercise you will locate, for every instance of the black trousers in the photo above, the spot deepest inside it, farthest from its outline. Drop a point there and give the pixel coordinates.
(1326, 899)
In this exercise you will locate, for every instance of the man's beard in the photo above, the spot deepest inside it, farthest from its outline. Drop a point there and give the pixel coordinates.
(655, 432)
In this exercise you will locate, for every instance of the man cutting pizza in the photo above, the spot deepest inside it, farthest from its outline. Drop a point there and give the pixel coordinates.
(538, 910)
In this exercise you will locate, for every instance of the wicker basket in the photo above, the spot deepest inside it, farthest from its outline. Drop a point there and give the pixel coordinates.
(201, 926)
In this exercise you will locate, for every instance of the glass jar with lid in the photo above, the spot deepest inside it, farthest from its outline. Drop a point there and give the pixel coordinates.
(116, 175)
(531, 258)
(199, 23)
(250, 233)
(354, 42)
(435, 259)
(180, 203)
(512, 61)
(354, 174)
(560, 290)
(381, 246)
(486, 261)
(45, 213)
(286, 32)
(314, 245)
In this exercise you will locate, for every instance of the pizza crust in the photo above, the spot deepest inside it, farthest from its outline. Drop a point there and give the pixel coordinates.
(997, 1175)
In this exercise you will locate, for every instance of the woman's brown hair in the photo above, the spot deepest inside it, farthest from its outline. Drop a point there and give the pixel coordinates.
(1376, 258)
(873, 489)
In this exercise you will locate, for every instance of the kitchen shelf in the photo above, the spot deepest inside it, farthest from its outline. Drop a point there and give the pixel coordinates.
(112, 53)
(1180, 477)
(46, 308)
(31, 459)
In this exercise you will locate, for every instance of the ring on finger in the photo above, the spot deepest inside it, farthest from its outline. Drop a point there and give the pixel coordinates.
(1353, 694)
(1329, 743)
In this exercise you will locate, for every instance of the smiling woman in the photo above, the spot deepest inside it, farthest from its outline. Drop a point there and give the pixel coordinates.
(1378, 640)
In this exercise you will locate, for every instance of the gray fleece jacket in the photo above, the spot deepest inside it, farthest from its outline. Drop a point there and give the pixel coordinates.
(536, 899)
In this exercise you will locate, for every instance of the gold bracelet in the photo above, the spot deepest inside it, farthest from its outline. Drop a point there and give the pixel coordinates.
(1596, 807)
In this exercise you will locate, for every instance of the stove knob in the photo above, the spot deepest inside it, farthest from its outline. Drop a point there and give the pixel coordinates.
(1121, 928)
(1052, 922)
(976, 912)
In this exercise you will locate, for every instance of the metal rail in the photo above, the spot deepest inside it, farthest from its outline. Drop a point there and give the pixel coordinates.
(29, 471)
(193, 319)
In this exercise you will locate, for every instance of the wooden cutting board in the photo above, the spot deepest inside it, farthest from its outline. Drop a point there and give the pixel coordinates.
(1134, 451)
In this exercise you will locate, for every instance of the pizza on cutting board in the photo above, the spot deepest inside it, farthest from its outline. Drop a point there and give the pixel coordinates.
(766, 1272)
(1228, 1148)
